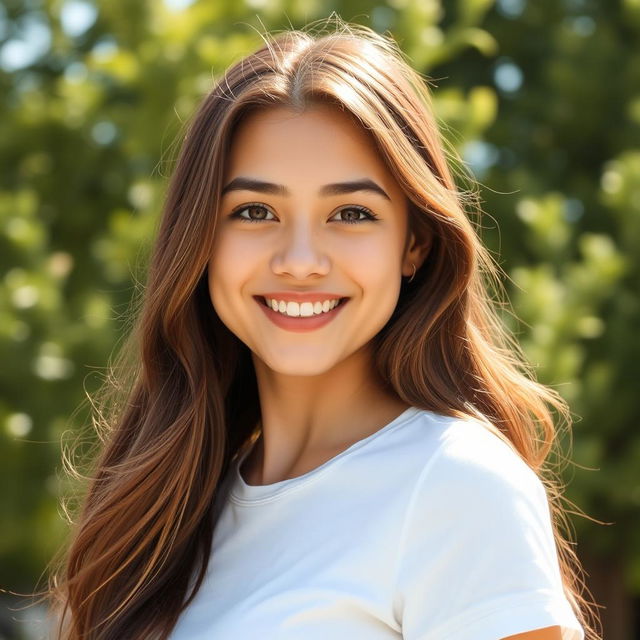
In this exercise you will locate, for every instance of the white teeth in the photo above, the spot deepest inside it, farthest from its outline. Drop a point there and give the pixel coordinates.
(304, 309)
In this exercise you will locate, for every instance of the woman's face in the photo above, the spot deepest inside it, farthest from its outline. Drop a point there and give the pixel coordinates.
(297, 219)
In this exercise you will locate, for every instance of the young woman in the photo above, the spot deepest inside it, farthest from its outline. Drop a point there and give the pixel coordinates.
(328, 433)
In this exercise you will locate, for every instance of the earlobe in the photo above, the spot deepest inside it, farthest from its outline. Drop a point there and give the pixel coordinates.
(416, 253)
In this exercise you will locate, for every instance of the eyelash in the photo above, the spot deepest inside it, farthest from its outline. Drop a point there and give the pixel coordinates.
(372, 217)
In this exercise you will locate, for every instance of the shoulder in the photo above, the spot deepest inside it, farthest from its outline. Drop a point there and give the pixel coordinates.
(479, 523)
(452, 473)
(475, 495)
(467, 457)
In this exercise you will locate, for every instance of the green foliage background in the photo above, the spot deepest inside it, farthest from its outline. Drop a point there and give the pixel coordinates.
(541, 98)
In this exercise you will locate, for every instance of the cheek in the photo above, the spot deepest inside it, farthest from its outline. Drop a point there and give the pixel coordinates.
(231, 261)
(377, 260)
(225, 269)
(376, 271)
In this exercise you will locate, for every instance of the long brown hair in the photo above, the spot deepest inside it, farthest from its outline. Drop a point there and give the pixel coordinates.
(182, 398)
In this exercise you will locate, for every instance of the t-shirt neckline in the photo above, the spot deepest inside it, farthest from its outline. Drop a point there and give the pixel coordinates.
(247, 494)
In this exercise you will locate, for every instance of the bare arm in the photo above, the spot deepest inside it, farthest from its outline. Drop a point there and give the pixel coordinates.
(548, 633)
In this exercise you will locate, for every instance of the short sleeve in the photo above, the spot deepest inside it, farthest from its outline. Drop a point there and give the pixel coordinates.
(477, 557)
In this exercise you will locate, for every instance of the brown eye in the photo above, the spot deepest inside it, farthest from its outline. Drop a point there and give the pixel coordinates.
(351, 214)
(255, 212)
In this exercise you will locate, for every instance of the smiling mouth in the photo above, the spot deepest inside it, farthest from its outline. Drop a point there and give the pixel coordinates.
(263, 300)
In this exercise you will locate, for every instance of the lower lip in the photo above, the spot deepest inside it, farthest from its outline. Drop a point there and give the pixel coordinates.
(301, 324)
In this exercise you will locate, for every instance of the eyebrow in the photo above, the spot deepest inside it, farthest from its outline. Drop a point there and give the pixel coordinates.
(242, 183)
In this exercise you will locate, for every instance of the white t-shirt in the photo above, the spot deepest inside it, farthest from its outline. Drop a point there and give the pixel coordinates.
(432, 528)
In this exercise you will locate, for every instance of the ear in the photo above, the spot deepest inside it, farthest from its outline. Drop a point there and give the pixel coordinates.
(415, 253)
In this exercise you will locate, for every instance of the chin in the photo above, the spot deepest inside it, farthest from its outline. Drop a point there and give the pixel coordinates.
(297, 366)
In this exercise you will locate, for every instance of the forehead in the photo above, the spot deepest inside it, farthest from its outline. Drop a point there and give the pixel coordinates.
(322, 144)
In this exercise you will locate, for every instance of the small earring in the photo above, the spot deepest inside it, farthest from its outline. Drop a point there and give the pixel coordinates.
(414, 273)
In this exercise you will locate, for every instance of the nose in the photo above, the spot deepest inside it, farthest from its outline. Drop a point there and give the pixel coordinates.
(299, 252)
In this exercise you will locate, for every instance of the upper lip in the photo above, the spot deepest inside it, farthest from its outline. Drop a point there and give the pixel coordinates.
(295, 296)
